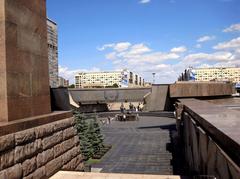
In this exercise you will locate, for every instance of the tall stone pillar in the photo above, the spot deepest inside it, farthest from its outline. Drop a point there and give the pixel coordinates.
(24, 78)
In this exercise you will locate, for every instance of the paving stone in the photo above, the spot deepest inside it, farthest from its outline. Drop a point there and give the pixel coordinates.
(138, 146)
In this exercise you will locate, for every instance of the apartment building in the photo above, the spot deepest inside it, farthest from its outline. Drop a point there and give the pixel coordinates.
(52, 38)
(231, 74)
(104, 79)
(62, 82)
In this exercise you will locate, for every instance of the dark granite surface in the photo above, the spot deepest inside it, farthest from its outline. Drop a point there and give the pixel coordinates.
(138, 146)
(221, 123)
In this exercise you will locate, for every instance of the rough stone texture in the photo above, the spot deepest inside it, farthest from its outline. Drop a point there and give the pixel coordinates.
(68, 133)
(6, 159)
(52, 140)
(80, 167)
(24, 136)
(27, 151)
(72, 165)
(53, 166)
(58, 150)
(44, 157)
(40, 152)
(29, 166)
(33, 122)
(44, 130)
(60, 125)
(23, 60)
(76, 140)
(7, 142)
(14, 172)
(68, 144)
(66, 157)
(40, 173)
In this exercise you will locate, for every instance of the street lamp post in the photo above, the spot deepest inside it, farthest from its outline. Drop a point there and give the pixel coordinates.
(153, 74)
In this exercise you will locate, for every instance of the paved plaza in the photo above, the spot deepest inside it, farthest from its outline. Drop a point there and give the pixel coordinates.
(140, 147)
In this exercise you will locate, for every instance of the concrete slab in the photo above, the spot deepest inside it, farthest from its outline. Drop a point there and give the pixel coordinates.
(200, 89)
(221, 123)
(77, 175)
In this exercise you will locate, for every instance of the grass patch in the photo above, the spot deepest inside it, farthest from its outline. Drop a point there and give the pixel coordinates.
(92, 161)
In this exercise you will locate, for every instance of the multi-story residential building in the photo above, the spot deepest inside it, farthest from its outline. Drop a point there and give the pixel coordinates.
(52, 36)
(62, 82)
(231, 74)
(120, 79)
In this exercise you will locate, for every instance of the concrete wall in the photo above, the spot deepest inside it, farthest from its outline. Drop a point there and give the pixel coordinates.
(88, 96)
(158, 99)
(200, 89)
(210, 136)
(41, 151)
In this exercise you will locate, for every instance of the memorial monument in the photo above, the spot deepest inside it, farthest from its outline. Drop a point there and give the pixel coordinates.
(34, 141)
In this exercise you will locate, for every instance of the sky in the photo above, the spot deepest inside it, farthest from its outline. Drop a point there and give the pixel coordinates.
(146, 36)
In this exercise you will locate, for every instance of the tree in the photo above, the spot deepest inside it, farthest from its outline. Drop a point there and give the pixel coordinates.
(82, 129)
(94, 135)
(115, 85)
(91, 139)
(72, 86)
(98, 133)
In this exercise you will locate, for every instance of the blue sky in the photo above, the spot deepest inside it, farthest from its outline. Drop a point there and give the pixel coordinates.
(145, 36)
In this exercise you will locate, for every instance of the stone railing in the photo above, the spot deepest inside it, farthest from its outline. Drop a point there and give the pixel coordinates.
(41, 151)
(210, 136)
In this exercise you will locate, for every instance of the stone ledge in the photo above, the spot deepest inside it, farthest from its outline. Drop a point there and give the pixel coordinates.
(27, 123)
(220, 123)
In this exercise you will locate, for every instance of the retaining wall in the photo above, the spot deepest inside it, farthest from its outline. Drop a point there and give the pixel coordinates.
(207, 147)
(41, 151)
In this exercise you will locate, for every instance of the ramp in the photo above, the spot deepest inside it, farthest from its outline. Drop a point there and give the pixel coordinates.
(157, 100)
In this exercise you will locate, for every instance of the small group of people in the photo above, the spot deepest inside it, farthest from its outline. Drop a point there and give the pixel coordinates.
(131, 108)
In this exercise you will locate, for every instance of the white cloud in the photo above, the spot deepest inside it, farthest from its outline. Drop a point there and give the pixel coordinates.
(144, 1)
(168, 65)
(198, 46)
(233, 44)
(200, 58)
(142, 59)
(111, 56)
(180, 49)
(232, 28)
(205, 38)
(139, 49)
(104, 47)
(121, 46)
